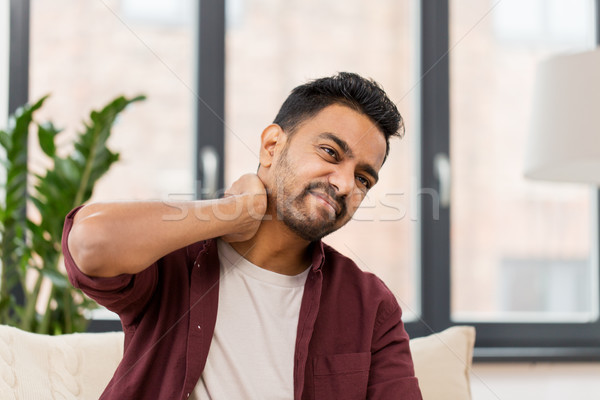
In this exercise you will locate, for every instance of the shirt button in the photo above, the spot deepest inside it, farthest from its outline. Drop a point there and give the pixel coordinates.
(199, 327)
(188, 395)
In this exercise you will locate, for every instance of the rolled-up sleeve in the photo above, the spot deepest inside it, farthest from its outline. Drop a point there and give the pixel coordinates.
(126, 295)
(392, 373)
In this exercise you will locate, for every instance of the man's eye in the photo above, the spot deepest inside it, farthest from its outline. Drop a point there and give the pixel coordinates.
(363, 181)
(331, 152)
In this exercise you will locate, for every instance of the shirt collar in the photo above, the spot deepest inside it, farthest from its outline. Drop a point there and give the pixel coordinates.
(318, 255)
(318, 252)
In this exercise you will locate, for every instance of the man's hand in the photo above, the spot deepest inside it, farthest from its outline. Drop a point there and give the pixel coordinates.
(251, 192)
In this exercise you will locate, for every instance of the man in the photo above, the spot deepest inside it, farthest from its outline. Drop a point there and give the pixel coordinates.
(238, 298)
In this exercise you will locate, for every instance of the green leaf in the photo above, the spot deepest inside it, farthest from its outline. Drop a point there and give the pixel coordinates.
(13, 247)
(57, 278)
(5, 140)
(6, 304)
(91, 146)
(46, 134)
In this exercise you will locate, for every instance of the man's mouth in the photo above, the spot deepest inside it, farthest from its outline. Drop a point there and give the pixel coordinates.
(328, 201)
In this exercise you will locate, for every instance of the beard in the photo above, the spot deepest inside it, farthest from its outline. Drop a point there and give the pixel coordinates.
(294, 210)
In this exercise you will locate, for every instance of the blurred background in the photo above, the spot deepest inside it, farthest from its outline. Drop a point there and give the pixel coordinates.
(453, 227)
(513, 241)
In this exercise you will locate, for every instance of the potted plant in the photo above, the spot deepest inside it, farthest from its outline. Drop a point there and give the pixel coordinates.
(30, 244)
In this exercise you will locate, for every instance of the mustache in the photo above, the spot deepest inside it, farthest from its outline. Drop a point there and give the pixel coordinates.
(330, 192)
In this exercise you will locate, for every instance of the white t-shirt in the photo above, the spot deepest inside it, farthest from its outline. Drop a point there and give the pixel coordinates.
(252, 351)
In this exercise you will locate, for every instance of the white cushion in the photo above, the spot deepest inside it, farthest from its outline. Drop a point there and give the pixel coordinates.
(79, 366)
(443, 363)
(76, 366)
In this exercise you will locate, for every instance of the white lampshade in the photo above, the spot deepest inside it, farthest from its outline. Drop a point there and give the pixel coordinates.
(564, 142)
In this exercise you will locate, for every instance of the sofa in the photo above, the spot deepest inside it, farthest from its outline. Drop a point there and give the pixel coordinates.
(78, 366)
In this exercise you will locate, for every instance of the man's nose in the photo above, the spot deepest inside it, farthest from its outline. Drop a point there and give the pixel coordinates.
(343, 180)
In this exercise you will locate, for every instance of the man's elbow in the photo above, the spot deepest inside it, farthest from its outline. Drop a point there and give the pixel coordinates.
(86, 248)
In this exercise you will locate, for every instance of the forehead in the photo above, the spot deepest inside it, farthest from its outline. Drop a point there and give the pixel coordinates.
(357, 130)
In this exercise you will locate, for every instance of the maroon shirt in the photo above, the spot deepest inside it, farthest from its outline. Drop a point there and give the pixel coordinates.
(350, 344)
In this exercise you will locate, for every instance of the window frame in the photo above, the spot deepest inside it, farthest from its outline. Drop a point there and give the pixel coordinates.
(18, 80)
(496, 341)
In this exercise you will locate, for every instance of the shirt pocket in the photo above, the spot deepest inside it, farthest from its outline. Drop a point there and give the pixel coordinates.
(341, 376)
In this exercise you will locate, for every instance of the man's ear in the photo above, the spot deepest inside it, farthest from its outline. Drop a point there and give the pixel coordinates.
(271, 136)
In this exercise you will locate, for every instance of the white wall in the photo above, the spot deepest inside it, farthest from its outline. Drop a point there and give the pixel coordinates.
(536, 381)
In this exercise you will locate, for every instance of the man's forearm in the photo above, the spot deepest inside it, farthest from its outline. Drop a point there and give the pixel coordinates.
(109, 239)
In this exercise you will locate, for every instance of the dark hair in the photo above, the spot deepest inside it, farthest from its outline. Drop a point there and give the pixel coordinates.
(349, 89)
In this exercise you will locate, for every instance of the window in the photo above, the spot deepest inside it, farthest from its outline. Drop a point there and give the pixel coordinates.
(521, 250)
(465, 240)
(86, 53)
(265, 61)
(517, 259)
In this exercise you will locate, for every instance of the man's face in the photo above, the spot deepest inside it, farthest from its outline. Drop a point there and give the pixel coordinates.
(323, 172)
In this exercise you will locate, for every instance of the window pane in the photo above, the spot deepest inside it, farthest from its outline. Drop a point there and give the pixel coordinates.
(521, 249)
(272, 46)
(85, 53)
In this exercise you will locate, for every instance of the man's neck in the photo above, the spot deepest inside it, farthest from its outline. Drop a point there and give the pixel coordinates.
(276, 248)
